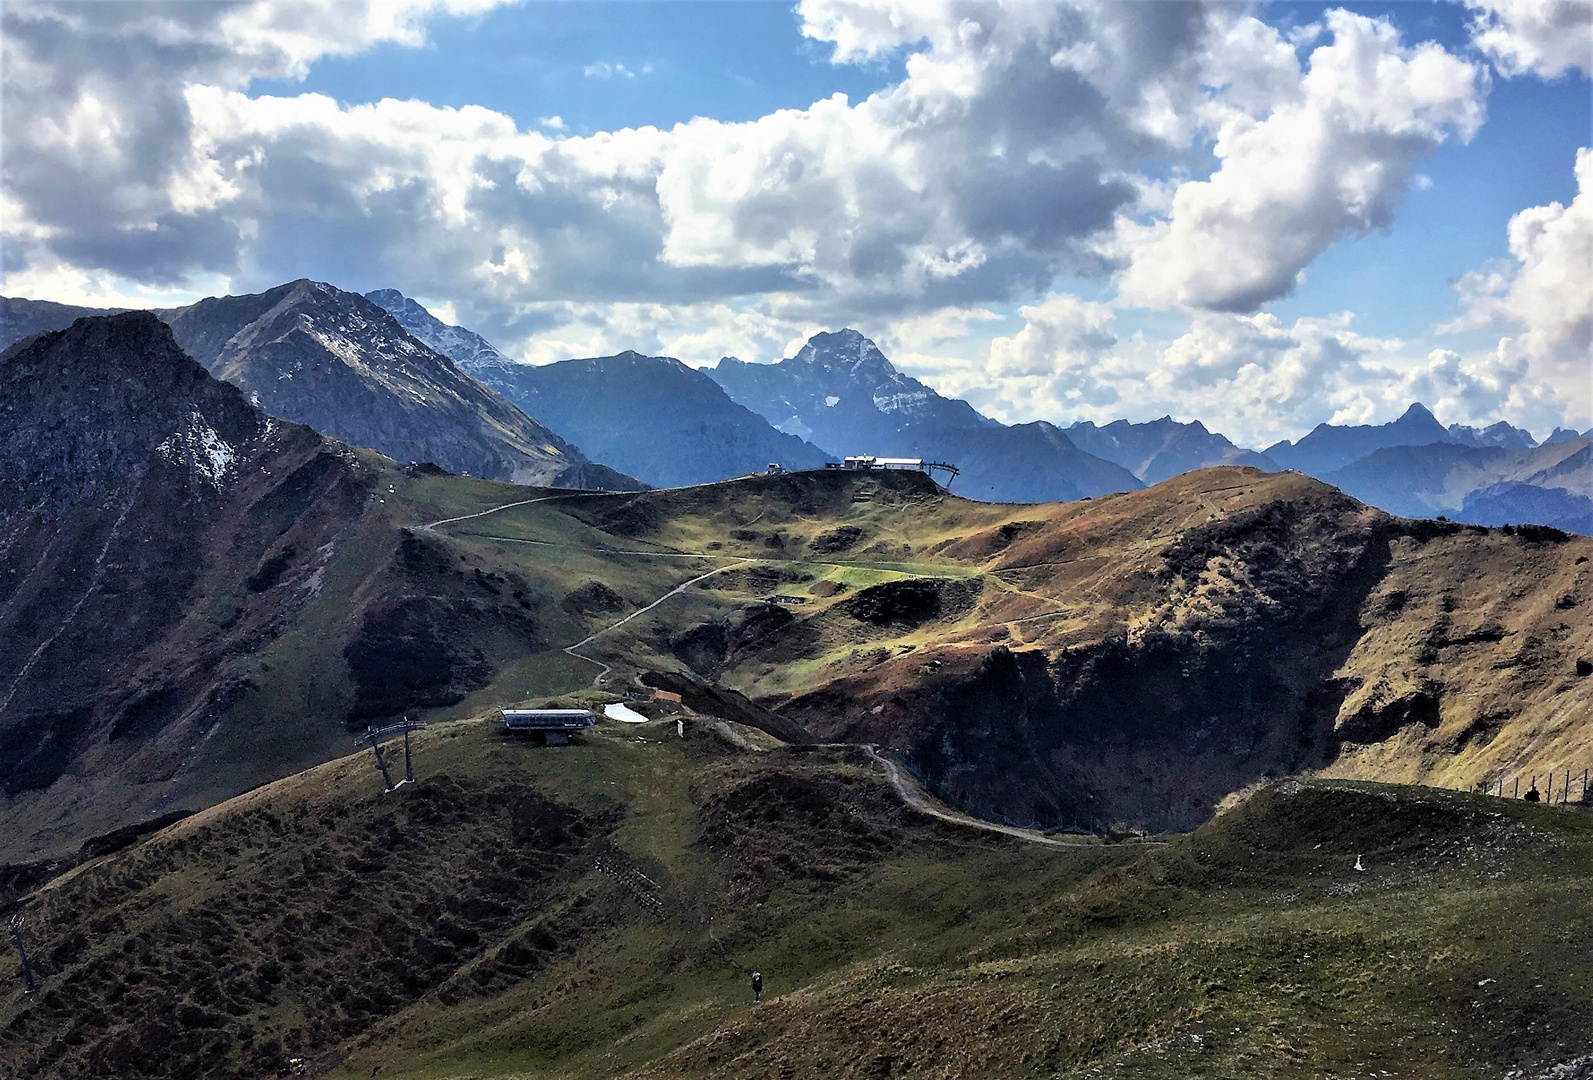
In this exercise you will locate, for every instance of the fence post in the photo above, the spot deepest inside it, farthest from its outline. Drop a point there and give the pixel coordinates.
(1517, 792)
(1549, 798)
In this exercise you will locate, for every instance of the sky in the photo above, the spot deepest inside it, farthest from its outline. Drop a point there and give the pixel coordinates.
(1263, 216)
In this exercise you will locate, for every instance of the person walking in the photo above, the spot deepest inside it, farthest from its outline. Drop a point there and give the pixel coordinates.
(757, 987)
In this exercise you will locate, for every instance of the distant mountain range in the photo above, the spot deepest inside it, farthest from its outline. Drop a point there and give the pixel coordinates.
(650, 416)
(841, 393)
(382, 371)
(313, 354)
(1163, 448)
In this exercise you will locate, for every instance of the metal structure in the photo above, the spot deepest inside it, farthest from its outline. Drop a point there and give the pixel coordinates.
(374, 737)
(869, 462)
(29, 984)
(554, 725)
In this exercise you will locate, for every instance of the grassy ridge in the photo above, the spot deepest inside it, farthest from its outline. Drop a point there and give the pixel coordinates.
(467, 926)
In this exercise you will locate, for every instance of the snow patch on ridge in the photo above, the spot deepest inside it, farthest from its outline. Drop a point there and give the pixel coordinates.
(205, 452)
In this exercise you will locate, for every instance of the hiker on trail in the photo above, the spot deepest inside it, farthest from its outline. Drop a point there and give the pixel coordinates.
(1532, 794)
(757, 987)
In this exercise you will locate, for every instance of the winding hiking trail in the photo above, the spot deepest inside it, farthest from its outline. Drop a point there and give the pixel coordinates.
(570, 650)
(676, 591)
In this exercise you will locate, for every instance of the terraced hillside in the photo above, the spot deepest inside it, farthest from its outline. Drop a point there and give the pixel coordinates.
(593, 911)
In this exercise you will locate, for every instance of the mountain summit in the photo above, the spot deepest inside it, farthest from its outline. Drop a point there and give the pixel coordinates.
(842, 394)
(314, 354)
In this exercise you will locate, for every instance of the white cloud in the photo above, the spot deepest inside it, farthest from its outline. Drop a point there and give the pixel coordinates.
(1546, 290)
(605, 69)
(1255, 378)
(1546, 38)
(1332, 158)
(1009, 156)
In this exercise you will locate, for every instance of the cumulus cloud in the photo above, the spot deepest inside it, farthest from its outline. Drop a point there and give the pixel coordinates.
(1333, 157)
(104, 167)
(1012, 153)
(1002, 160)
(1546, 38)
(1545, 290)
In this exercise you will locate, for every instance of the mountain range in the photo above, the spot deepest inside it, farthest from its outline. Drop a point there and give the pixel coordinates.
(311, 353)
(197, 596)
(650, 416)
(840, 392)
(381, 371)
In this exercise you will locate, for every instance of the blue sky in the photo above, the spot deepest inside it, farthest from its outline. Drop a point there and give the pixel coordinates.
(1259, 216)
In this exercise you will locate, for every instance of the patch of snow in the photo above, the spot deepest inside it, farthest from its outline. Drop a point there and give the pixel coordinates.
(899, 402)
(624, 714)
(199, 446)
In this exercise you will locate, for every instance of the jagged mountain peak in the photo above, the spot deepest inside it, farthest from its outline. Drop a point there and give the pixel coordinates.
(464, 347)
(846, 350)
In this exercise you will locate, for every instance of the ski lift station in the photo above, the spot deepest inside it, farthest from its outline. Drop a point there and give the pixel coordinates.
(554, 725)
(868, 462)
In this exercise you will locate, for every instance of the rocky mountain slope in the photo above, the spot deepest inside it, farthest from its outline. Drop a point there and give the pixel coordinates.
(464, 347)
(156, 532)
(650, 416)
(311, 353)
(1162, 449)
(20, 318)
(841, 393)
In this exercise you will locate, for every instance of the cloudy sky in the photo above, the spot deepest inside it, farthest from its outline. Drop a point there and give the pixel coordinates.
(1262, 216)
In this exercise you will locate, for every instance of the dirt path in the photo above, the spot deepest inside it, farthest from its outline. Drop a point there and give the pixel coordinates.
(510, 506)
(914, 796)
(676, 591)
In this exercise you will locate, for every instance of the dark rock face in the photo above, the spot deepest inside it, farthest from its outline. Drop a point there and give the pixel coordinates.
(842, 394)
(156, 530)
(911, 601)
(420, 652)
(708, 647)
(333, 360)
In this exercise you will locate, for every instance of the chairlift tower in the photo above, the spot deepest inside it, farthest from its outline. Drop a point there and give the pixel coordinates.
(374, 737)
(29, 984)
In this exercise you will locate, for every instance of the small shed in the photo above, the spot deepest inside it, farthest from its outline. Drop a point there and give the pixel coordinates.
(554, 725)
